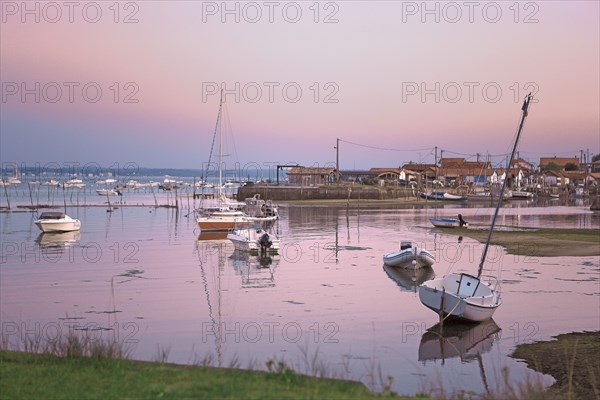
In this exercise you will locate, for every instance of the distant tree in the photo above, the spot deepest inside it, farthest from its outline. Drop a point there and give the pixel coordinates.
(571, 167)
(596, 157)
(551, 167)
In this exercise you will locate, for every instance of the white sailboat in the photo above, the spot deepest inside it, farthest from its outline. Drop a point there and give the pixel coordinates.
(462, 295)
(224, 218)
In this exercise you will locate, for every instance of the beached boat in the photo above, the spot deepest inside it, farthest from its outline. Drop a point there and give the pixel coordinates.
(462, 295)
(442, 196)
(253, 240)
(224, 218)
(449, 222)
(406, 255)
(56, 221)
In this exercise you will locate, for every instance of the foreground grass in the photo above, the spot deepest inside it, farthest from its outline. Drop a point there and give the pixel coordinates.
(572, 359)
(544, 242)
(29, 375)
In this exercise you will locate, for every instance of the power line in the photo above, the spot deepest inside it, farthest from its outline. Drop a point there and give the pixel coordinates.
(382, 148)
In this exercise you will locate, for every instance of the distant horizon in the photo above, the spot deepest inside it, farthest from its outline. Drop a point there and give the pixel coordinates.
(131, 169)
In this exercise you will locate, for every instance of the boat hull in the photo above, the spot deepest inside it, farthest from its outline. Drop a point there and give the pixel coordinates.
(248, 240)
(461, 296)
(59, 226)
(223, 222)
(445, 222)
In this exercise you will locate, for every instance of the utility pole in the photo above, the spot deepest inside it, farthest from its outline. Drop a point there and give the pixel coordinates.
(337, 160)
(436, 163)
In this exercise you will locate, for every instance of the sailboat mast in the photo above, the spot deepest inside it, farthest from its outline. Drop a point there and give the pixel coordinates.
(500, 197)
(219, 191)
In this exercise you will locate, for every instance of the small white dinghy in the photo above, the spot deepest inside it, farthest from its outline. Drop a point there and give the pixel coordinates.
(407, 254)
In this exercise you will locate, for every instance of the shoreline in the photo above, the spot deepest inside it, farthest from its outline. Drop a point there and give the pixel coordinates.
(572, 359)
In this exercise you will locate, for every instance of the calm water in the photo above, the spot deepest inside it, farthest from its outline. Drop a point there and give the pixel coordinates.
(143, 275)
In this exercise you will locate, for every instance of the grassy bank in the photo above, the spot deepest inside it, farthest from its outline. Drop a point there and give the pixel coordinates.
(545, 242)
(31, 376)
(572, 359)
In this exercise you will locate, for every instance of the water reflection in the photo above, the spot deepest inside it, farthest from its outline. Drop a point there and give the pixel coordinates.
(58, 240)
(463, 340)
(256, 271)
(408, 279)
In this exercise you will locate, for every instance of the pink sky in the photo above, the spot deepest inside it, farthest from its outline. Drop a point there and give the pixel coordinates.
(368, 61)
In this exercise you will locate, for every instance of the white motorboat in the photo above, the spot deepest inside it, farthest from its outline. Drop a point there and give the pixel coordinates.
(253, 239)
(462, 295)
(260, 210)
(56, 221)
(406, 255)
(74, 182)
(521, 194)
(108, 192)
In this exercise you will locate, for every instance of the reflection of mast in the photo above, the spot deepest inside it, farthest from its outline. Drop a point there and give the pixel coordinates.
(216, 322)
(483, 377)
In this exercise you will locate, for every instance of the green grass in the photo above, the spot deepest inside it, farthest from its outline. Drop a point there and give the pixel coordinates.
(29, 376)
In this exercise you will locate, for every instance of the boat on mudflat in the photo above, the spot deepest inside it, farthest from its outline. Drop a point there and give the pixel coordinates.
(449, 222)
(406, 255)
(464, 296)
(442, 196)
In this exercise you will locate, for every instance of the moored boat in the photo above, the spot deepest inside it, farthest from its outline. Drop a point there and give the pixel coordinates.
(254, 239)
(406, 255)
(56, 221)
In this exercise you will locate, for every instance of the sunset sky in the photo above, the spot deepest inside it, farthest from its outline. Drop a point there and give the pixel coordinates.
(109, 82)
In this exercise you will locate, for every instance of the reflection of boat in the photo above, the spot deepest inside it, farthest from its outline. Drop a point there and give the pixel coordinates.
(441, 196)
(449, 222)
(407, 254)
(462, 295)
(252, 239)
(214, 235)
(56, 221)
(464, 340)
(224, 218)
(58, 239)
(256, 271)
(409, 279)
